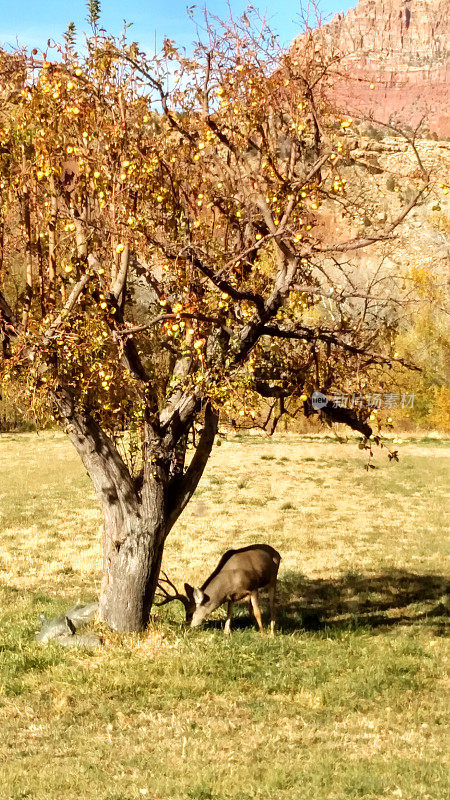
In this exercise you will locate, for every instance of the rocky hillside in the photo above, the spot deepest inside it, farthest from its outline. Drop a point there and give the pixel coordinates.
(395, 62)
(387, 171)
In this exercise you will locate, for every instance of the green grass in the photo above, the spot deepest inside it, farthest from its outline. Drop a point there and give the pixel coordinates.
(346, 702)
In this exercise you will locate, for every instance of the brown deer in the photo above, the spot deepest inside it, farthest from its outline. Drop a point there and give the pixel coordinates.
(238, 576)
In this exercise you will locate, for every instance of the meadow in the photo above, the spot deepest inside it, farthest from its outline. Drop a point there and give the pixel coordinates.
(347, 701)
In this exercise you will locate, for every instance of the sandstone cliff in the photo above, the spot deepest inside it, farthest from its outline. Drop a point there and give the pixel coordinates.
(395, 61)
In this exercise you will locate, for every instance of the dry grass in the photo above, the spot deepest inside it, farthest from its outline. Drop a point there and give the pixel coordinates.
(317, 505)
(345, 702)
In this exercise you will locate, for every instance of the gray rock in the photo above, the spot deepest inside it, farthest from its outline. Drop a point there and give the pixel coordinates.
(52, 628)
(81, 615)
(65, 626)
(90, 640)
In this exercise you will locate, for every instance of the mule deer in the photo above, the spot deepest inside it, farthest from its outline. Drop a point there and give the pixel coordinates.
(238, 576)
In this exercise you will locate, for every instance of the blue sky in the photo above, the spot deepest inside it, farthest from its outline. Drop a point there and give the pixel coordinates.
(31, 22)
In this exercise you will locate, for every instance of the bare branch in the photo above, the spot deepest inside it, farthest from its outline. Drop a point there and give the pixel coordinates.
(311, 335)
(129, 331)
(357, 244)
(119, 284)
(225, 286)
(194, 472)
(75, 294)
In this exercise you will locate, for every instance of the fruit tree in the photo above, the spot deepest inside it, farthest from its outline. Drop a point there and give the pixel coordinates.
(177, 236)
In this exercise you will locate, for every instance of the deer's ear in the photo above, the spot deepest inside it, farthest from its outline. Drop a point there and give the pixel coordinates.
(189, 591)
(198, 596)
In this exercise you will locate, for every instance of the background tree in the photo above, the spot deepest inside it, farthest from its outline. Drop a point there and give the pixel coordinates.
(177, 238)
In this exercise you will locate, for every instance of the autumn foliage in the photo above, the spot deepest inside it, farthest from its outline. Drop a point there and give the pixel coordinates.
(164, 254)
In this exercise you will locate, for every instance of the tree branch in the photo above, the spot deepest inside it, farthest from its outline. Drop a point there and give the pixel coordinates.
(194, 472)
(311, 335)
(130, 352)
(76, 292)
(225, 286)
(357, 244)
(348, 417)
(119, 284)
(108, 472)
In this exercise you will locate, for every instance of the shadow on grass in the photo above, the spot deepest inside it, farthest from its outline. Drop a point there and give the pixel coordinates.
(354, 601)
(362, 600)
(397, 597)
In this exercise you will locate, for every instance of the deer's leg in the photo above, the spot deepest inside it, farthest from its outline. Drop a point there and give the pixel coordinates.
(272, 589)
(257, 610)
(228, 619)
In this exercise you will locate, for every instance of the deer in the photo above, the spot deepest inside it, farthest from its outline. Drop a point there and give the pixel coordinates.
(238, 576)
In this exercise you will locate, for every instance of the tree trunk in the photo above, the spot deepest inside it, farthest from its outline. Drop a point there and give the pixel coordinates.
(131, 565)
(136, 521)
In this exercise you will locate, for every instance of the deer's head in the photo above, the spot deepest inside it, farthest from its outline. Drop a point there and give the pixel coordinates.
(202, 605)
(196, 603)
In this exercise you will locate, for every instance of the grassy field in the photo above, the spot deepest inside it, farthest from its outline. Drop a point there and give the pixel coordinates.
(347, 701)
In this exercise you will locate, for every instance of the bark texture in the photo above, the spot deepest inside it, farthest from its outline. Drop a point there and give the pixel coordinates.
(137, 515)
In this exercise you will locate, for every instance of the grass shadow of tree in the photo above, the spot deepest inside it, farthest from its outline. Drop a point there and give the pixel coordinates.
(397, 597)
(373, 601)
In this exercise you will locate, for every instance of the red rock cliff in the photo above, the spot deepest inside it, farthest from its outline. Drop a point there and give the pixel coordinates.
(395, 61)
